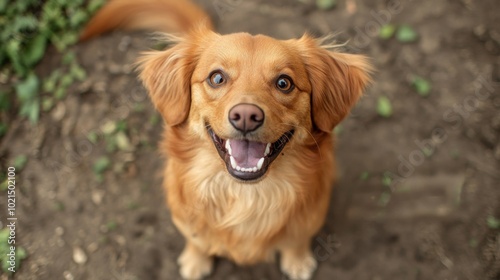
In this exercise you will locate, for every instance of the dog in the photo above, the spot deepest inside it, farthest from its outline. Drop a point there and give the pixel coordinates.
(248, 133)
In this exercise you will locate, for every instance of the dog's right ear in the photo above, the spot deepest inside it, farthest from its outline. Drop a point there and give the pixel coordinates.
(167, 77)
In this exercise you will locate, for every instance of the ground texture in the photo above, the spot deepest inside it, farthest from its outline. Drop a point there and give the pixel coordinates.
(415, 192)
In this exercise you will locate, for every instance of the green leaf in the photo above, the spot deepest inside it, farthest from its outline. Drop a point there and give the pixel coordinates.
(386, 180)
(93, 137)
(493, 222)
(384, 107)
(4, 185)
(35, 50)
(387, 31)
(95, 5)
(3, 4)
(384, 199)
(3, 129)
(406, 34)
(31, 110)
(78, 72)
(21, 253)
(4, 101)
(111, 225)
(27, 92)
(121, 125)
(20, 162)
(364, 176)
(47, 104)
(78, 18)
(326, 4)
(111, 143)
(27, 89)
(66, 80)
(422, 86)
(12, 49)
(69, 58)
(59, 93)
(154, 119)
(101, 165)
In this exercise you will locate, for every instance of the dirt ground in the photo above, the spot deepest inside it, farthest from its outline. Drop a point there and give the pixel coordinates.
(415, 192)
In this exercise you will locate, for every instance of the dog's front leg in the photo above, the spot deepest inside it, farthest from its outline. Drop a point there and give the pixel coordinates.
(194, 263)
(297, 260)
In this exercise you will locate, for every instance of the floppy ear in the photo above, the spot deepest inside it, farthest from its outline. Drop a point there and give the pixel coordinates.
(167, 77)
(337, 81)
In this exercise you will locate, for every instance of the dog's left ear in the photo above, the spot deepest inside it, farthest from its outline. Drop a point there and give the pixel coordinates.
(337, 80)
(167, 74)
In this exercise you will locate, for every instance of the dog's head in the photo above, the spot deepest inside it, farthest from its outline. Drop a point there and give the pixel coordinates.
(253, 96)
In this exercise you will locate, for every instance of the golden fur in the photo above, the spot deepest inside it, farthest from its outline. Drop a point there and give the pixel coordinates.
(220, 215)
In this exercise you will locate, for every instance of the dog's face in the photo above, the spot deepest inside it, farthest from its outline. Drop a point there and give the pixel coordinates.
(253, 96)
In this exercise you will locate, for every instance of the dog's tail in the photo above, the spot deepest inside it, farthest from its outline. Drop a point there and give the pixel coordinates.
(156, 15)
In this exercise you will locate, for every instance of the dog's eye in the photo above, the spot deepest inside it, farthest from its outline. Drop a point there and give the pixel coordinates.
(216, 79)
(284, 84)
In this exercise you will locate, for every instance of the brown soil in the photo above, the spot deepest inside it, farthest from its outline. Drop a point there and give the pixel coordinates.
(429, 223)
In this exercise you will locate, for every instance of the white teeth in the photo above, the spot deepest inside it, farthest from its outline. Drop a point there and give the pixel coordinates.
(243, 169)
(268, 149)
(228, 147)
(233, 162)
(260, 163)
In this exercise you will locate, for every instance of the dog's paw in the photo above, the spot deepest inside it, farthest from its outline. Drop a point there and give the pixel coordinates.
(194, 265)
(298, 267)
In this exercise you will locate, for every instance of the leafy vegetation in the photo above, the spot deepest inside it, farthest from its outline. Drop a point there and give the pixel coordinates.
(20, 161)
(406, 34)
(387, 31)
(422, 86)
(5, 249)
(384, 107)
(29, 27)
(326, 4)
(493, 222)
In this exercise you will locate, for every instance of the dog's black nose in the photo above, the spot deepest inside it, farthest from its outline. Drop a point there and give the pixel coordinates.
(246, 117)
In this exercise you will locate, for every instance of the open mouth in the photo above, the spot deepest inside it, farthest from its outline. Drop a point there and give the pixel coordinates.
(248, 160)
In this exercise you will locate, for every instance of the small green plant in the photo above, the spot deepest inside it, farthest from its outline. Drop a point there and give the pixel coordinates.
(406, 34)
(100, 166)
(386, 180)
(20, 161)
(5, 249)
(422, 86)
(111, 225)
(493, 222)
(364, 176)
(384, 107)
(384, 199)
(387, 31)
(29, 27)
(326, 4)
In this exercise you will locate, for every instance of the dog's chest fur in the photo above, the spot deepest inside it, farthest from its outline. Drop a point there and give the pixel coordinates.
(231, 218)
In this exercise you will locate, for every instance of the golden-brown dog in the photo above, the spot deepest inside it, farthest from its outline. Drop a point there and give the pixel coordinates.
(249, 143)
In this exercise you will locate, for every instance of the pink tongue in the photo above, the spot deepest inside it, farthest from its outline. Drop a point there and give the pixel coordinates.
(247, 153)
